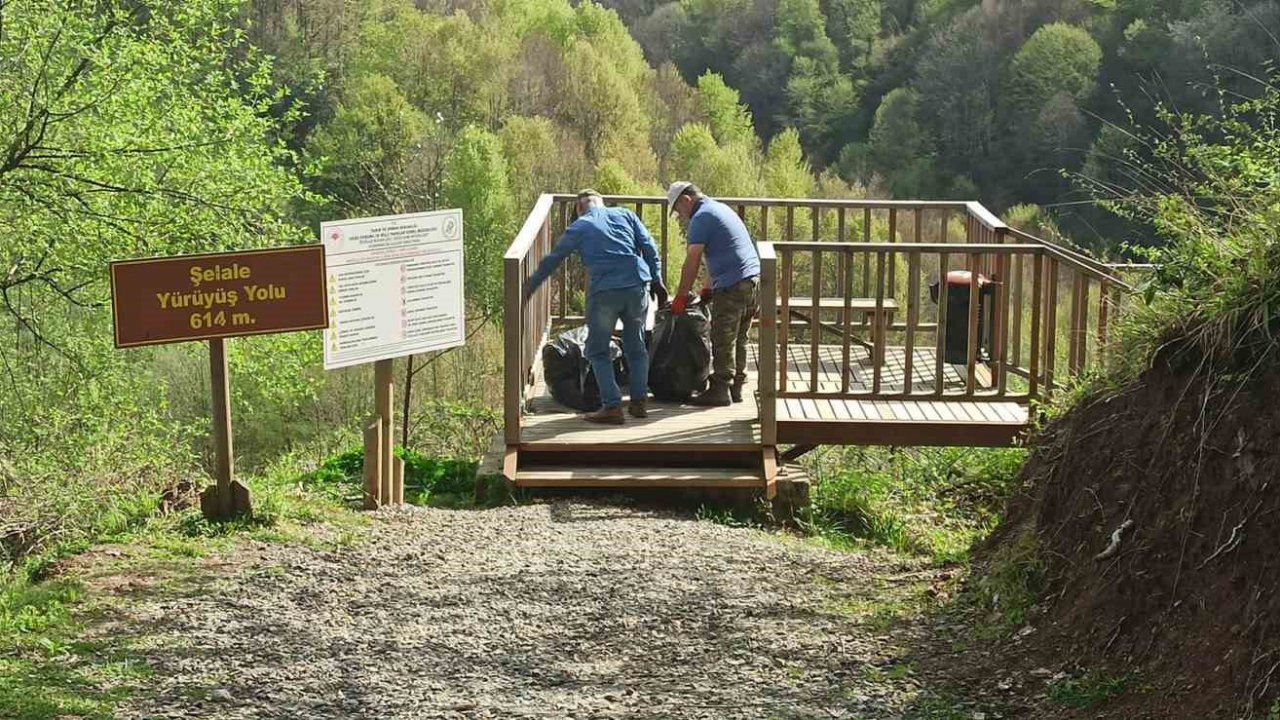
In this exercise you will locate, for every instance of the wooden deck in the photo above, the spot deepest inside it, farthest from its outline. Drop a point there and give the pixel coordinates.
(846, 271)
(685, 428)
(551, 424)
(905, 421)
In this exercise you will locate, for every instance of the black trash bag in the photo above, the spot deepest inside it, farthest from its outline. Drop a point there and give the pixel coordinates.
(680, 353)
(568, 372)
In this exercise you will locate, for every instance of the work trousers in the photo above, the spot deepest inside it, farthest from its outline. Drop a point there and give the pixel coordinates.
(732, 309)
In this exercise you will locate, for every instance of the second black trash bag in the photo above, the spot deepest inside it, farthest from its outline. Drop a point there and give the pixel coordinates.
(568, 373)
(680, 353)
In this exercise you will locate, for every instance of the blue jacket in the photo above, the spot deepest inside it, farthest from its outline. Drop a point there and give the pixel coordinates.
(615, 246)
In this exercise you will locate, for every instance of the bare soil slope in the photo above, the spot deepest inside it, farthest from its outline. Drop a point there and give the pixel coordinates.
(1185, 464)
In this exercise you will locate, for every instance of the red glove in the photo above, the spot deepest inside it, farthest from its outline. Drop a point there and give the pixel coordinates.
(705, 294)
(679, 305)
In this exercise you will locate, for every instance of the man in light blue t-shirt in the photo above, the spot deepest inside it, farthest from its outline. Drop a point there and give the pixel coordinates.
(716, 233)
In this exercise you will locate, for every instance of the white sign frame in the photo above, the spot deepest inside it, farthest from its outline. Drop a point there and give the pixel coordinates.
(395, 286)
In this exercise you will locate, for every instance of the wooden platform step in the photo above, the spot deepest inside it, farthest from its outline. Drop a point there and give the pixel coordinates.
(569, 476)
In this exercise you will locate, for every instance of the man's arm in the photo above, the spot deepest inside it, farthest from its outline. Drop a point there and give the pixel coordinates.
(689, 273)
(564, 247)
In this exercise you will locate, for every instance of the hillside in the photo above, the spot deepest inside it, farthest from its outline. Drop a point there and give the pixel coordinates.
(1120, 565)
(961, 99)
(1139, 552)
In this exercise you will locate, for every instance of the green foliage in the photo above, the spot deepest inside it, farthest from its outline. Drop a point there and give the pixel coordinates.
(1008, 95)
(1217, 192)
(724, 171)
(605, 110)
(786, 174)
(128, 132)
(958, 80)
(141, 132)
(935, 502)
(363, 154)
(1086, 692)
(476, 181)
(820, 105)
(1012, 581)
(1057, 58)
(46, 670)
(729, 121)
(612, 179)
(427, 481)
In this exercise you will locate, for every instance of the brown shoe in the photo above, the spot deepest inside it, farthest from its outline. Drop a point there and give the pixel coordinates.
(637, 409)
(735, 390)
(606, 416)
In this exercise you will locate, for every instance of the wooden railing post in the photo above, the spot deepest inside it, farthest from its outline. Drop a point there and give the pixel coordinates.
(767, 358)
(513, 345)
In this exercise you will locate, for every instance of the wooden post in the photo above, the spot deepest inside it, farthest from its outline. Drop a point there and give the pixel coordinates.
(940, 329)
(975, 262)
(784, 317)
(999, 333)
(397, 482)
(814, 320)
(1037, 305)
(227, 498)
(877, 326)
(913, 313)
(767, 358)
(513, 373)
(222, 451)
(373, 464)
(846, 290)
(384, 392)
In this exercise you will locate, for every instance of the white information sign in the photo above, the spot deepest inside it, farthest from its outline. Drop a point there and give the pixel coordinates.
(395, 286)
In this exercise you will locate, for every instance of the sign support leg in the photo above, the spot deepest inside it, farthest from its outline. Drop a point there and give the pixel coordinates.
(227, 498)
(384, 395)
(373, 464)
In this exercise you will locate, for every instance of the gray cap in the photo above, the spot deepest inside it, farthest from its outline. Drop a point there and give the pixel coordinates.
(675, 191)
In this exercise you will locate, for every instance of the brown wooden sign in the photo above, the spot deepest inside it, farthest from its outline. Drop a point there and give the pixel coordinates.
(199, 297)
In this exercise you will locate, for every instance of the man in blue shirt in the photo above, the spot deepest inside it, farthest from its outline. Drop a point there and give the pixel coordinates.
(716, 233)
(621, 261)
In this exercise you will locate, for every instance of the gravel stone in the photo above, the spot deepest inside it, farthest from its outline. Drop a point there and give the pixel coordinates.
(562, 609)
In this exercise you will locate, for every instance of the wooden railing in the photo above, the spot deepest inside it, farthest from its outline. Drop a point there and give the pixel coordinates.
(874, 256)
(526, 320)
(768, 219)
(1033, 333)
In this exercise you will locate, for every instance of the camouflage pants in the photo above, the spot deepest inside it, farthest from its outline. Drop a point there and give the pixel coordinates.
(732, 310)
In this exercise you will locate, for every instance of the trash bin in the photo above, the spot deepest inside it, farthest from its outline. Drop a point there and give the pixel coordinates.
(956, 341)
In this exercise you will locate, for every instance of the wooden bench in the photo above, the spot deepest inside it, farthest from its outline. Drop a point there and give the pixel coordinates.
(797, 307)
(858, 305)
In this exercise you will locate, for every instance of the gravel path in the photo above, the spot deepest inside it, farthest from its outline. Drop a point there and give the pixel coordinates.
(566, 609)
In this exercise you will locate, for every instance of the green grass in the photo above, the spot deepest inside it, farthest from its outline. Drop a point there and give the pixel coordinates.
(923, 501)
(47, 670)
(1010, 583)
(1087, 691)
(437, 482)
(934, 707)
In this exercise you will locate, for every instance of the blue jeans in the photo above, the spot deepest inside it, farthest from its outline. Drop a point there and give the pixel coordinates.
(603, 310)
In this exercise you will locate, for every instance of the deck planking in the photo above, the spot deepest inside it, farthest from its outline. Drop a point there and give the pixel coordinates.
(929, 418)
